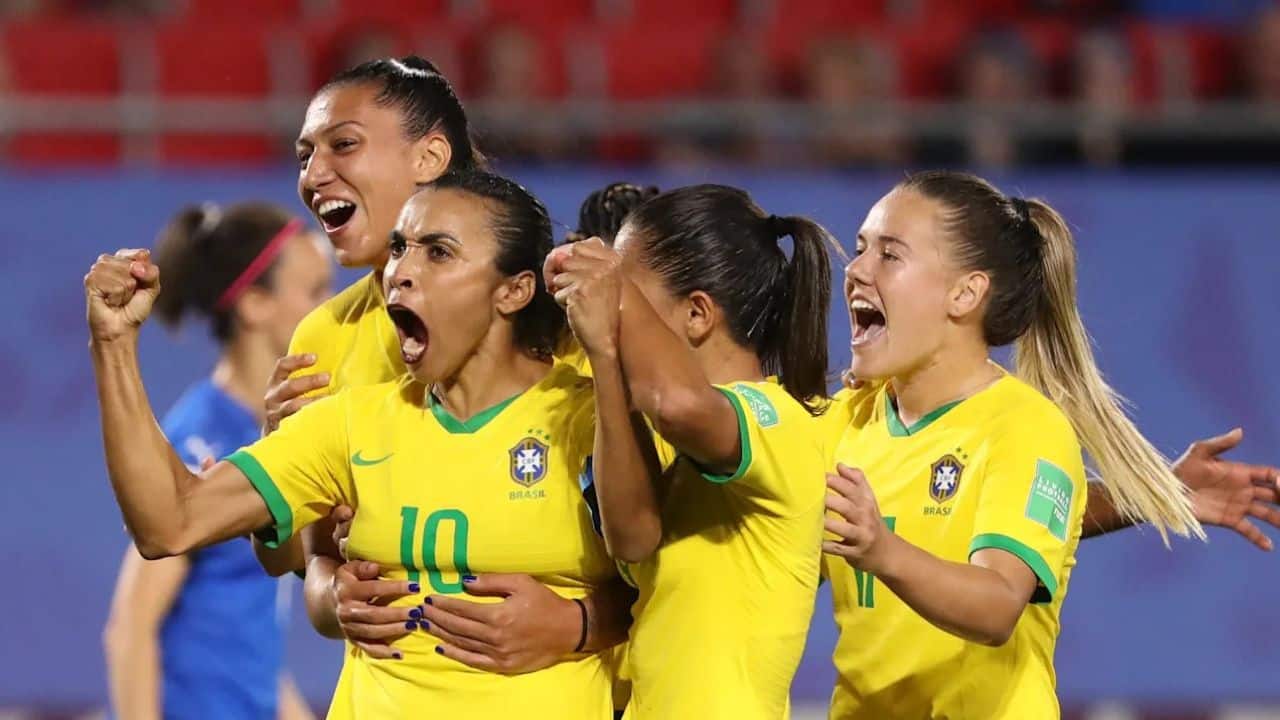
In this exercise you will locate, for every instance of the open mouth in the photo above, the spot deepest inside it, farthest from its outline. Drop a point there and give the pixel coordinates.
(412, 333)
(868, 321)
(335, 214)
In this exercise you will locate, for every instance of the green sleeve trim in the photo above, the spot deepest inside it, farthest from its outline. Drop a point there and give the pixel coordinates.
(744, 439)
(1048, 580)
(275, 536)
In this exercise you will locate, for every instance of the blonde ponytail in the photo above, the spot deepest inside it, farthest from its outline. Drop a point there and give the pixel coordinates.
(1054, 356)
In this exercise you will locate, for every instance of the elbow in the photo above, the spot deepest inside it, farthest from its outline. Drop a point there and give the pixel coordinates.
(995, 636)
(675, 412)
(998, 627)
(635, 544)
(632, 550)
(155, 546)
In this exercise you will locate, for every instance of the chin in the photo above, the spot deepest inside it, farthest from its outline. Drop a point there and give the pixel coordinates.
(869, 369)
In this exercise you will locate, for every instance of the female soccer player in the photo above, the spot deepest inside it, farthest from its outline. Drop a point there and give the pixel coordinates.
(198, 634)
(970, 492)
(695, 309)
(470, 465)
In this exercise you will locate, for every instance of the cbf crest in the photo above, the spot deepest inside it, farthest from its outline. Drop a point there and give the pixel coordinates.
(528, 461)
(944, 480)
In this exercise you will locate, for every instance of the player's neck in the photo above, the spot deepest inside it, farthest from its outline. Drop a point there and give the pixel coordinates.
(243, 371)
(945, 378)
(724, 361)
(488, 378)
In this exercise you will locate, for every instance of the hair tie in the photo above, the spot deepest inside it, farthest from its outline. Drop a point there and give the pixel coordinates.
(1020, 208)
(779, 226)
(258, 265)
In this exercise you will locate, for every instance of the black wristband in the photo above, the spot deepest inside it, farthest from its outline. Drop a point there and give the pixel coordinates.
(582, 641)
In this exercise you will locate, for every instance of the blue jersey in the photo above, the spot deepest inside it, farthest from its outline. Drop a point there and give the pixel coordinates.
(222, 644)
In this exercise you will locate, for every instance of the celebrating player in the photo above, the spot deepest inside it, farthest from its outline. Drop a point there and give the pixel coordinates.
(199, 634)
(698, 306)
(470, 466)
(970, 489)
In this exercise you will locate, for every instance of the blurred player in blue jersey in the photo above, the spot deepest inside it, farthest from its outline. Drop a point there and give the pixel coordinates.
(200, 636)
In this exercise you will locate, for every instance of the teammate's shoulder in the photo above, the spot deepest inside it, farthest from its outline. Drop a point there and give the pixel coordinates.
(1016, 406)
(398, 391)
(347, 306)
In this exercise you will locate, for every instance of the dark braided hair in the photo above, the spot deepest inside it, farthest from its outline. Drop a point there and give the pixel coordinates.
(604, 210)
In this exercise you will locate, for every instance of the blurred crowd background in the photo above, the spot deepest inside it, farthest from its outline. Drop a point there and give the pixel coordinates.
(772, 83)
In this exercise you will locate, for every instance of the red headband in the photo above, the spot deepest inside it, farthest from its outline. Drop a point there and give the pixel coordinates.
(258, 266)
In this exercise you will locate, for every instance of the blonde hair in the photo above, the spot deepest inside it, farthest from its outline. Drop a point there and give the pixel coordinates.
(1029, 252)
(1055, 357)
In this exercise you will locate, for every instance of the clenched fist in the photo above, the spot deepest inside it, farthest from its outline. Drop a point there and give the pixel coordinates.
(119, 291)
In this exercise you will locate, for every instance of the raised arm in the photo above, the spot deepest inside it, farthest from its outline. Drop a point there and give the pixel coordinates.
(588, 282)
(1223, 492)
(665, 381)
(168, 509)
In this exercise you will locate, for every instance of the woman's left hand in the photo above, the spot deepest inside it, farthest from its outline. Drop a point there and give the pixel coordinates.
(586, 279)
(530, 629)
(853, 516)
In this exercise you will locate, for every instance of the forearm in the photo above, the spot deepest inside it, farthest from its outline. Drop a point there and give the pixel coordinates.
(147, 476)
(1100, 514)
(133, 673)
(667, 384)
(317, 594)
(969, 601)
(623, 472)
(608, 615)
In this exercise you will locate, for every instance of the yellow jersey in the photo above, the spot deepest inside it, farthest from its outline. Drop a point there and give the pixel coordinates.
(437, 498)
(352, 337)
(1000, 469)
(726, 600)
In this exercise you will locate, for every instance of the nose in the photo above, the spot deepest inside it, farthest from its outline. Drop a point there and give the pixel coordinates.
(318, 172)
(398, 274)
(858, 272)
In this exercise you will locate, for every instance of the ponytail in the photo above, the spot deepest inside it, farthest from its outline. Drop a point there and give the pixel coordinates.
(178, 257)
(802, 334)
(205, 250)
(714, 238)
(1054, 356)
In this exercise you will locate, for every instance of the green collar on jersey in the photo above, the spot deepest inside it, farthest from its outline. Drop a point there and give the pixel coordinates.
(475, 422)
(898, 429)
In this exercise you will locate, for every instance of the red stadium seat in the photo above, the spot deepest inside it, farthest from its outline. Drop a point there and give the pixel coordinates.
(811, 15)
(248, 11)
(220, 61)
(50, 59)
(654, 61)
(674, 11)
(397, 12)
(62, 58)
(541, 13)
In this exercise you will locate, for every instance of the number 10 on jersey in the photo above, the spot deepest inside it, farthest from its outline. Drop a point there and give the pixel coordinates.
(432, 533)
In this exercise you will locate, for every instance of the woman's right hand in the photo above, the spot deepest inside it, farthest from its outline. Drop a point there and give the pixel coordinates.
(285, 394)
(119, 291)
(361, 599)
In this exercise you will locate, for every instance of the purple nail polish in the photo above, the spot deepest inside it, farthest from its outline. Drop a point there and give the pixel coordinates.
(411, 625)
(468, 578)
(429, 602)
(396, 655)
(439, 650)
(414, 587)
(415, 613)
(424, 624)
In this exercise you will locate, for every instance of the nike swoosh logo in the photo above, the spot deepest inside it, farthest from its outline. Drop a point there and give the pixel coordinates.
(357, 460)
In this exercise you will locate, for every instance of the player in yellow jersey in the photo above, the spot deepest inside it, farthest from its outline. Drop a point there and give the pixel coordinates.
(953, 542)
(472, 465)
(687, 320)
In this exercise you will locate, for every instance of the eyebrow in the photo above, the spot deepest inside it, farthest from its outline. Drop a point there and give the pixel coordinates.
(397, 236)
(326, 130)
